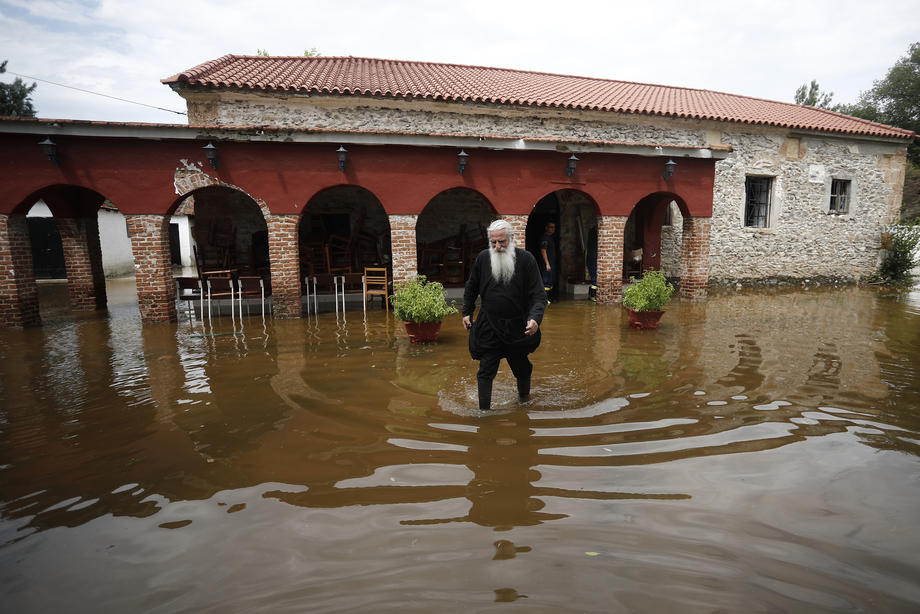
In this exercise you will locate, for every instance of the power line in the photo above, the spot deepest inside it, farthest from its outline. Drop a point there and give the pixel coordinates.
(98, 94)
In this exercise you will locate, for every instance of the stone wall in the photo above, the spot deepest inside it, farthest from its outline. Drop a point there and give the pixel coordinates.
(803, 240)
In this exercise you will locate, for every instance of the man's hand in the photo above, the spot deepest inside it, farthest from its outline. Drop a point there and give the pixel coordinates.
(468, 322)
(531, 328)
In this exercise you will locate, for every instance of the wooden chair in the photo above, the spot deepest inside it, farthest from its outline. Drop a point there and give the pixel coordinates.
(220, 287)
(325, 283)
(188, 289)
(376, 283)
(252, 286)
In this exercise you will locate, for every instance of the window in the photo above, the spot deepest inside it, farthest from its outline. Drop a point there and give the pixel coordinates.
(757, 192)
(840, 196)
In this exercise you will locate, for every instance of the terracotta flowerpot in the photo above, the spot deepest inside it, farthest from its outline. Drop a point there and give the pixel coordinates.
(644, 320)
(423, 332)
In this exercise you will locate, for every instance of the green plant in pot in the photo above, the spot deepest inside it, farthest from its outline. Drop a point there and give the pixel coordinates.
(421, 306)
(645, 299)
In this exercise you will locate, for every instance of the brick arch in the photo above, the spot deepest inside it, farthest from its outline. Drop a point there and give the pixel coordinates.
(75, 225)
(450, 231)
(190, 180)
(64, 200)
(344, 225)
(574, 212)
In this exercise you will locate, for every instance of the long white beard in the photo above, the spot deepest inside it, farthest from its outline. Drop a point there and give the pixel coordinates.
(503, 263)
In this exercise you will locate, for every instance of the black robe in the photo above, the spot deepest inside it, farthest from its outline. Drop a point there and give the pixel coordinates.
(505, 308)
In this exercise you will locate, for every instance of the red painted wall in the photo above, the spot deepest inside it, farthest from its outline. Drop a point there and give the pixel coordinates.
(137, 175)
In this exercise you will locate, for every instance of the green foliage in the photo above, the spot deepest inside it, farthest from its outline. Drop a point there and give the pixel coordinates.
(812, 96)
(418, 300)
(894, 100)
(901, 244)
(910, 205)
(649, 293)
(14, 97)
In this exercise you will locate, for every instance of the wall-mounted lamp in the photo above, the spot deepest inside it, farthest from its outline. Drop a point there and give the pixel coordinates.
(50, 149)
(462, 158)
(570, 169)
(211, 152)
(342, 153)
(669, 167)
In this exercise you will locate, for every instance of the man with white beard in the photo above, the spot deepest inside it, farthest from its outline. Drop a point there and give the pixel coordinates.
(508, 282)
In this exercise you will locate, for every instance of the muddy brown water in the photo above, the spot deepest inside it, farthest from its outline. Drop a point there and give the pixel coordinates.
(757, 453)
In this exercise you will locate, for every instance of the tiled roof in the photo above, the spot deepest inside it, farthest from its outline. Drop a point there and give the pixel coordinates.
(458, 83)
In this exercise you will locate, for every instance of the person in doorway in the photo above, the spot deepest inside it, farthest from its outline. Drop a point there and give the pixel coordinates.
(507, 281)
(548, 254)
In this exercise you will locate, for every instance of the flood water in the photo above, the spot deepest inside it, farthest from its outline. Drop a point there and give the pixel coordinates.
(757, 453)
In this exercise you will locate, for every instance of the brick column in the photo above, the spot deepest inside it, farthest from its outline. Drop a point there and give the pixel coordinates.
(519, 228)
(83, 259)
(403, 247)
(156, 291)
(18, 291)
(610, 258)
(694, 258)
(284, 256)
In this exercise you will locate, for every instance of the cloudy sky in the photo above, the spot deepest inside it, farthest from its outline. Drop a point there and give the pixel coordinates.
(758, 48)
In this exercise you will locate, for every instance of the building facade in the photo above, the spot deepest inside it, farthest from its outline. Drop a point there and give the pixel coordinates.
(303, 166)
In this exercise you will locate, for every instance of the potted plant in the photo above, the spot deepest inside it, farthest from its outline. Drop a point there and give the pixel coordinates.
(421, 306)
(645, 299)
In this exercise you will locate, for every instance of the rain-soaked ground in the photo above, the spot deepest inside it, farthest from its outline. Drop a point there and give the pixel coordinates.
(757, 453)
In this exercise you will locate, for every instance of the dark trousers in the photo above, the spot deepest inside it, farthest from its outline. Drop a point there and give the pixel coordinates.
(520, 365)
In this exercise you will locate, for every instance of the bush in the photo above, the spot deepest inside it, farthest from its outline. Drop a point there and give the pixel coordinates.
(900, 243)
(649, 293)
(418, 300)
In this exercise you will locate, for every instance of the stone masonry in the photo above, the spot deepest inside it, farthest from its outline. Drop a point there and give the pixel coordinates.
(404, 252)
(610, 258)
(83, 260)
(694, 274)
(18, 290)
(156, 292)
(285, 265)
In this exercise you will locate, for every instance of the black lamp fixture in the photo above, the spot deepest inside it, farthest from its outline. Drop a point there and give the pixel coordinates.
(570, 169)
(50, 149)
(462, 158)
(342, 154)
(211, 152)
(669, 167)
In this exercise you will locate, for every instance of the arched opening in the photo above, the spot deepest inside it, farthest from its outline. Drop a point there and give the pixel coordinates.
(47, 248)
(73, 234)
(652, 237)
(228, 231)
(572, 248)
(449, 233)
(343, 230)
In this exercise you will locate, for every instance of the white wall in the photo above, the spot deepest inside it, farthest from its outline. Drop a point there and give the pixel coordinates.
(117, 257)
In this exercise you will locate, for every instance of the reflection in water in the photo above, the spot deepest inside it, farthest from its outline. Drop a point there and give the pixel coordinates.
(735, 459)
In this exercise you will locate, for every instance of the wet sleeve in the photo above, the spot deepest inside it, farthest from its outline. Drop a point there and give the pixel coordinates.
(536, 295)
(471, 291)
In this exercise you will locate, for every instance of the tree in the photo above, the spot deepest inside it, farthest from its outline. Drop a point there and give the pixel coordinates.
(812, 96)
(894, 100)
(14, 97)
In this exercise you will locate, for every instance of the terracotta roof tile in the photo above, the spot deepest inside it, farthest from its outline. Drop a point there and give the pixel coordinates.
(459, 83)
